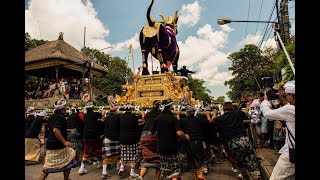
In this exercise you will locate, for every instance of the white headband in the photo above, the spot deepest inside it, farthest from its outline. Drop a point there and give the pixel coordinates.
(289, 87)
(90, 106)
(41, 114)
(60, 104)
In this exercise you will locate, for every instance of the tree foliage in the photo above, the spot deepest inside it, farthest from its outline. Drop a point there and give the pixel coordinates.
(199, 91)
(32, 43)
(219, 100)
(116, 75)
(282, 61)
(248, 67)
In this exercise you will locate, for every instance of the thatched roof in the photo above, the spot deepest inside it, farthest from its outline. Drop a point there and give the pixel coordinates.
(61, 50)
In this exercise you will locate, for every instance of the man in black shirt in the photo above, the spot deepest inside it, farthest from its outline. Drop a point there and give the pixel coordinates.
(59, 154)
(184, 72)
(168, 130)
(231, 124)
(111, 146)
(92, 143)
(128, 140)
(28, 120)
(32, 141)
(196, 148)
(75, 128)
(148, 141)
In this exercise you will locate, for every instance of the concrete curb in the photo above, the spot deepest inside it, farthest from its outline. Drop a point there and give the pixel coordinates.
(264, 171)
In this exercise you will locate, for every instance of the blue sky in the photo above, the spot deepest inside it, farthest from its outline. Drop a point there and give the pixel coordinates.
(204, 45)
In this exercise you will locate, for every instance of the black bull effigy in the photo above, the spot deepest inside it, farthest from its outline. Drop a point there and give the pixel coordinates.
(159, 39)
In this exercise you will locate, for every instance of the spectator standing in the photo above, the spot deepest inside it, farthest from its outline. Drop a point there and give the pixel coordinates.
(284, 169)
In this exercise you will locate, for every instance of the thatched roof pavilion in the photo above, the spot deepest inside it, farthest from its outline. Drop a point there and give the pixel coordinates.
(58, 59)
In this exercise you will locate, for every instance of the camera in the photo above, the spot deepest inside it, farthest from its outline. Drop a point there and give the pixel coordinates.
(268, 87)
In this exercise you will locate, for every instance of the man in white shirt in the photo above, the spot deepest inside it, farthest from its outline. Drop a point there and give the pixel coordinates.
(284, 169)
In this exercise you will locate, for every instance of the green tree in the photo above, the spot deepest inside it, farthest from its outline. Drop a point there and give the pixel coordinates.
(220, 100)
(282, 61)
(248, 67)
(116, 75)
(199, 91)
(32, 43)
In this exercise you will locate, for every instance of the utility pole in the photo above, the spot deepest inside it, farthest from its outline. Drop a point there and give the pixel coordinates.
(285, 23)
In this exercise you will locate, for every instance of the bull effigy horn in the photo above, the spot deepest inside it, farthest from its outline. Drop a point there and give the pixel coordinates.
(164, 19)
(175, 19)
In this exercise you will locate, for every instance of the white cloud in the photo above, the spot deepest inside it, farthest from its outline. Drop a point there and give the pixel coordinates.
(203, 53)
(256, 38)
(70, 17)
(124, 45)
(190, 14)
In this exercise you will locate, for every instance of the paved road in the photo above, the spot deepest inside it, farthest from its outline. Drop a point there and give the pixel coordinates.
(217, 172)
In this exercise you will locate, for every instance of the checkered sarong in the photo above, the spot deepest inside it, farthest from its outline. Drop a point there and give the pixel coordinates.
(32, 149)
(58, 158)
(130, 153)
(110, 151)
(170, 165)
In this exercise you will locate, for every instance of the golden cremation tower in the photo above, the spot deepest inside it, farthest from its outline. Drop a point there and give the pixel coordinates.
(148, 88)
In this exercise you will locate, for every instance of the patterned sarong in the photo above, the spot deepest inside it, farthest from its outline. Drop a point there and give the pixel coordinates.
(243, 153)
(110, 151)
(32, 149)
(170, 165)
(92, 149)
(58, 158)
(130, 153)
(148, 146)
(197, 154)
(77, 144)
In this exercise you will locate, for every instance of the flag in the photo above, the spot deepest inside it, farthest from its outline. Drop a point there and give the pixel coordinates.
(130, 48)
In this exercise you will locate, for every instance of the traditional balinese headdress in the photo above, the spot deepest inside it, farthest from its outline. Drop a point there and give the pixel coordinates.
(290, 87)
(43, 113)
(60, 104)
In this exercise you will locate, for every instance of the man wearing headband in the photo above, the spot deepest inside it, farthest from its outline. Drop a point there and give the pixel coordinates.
(75, 127)
(196, 148)
(148, 141)
(59, 154)
(284, 169)
(92, 142)
(168, 130)
(32, 141)
(28, 120)
(233, 129)
(128, 141)
(111, 146)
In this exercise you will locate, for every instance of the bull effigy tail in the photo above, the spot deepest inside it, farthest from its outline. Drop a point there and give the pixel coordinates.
(150, 21)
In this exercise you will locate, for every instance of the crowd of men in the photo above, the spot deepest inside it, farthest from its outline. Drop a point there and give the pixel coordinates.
(110, 138)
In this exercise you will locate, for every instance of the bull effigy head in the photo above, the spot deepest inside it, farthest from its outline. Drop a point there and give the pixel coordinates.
(171, 22)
